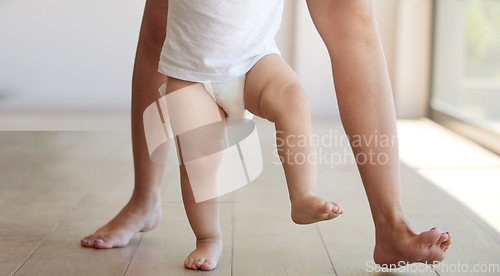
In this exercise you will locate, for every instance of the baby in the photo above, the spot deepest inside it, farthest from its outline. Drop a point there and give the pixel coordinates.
(224, 44)
(221, 61)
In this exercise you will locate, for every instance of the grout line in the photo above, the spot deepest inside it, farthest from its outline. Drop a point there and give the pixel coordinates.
(240, 153)
(133, 254)
(181, 202)
(50, 233)
(232, 236)
(435, 271)
(326, 248)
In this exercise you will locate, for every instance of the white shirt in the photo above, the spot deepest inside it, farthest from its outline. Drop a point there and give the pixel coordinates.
(218, 40)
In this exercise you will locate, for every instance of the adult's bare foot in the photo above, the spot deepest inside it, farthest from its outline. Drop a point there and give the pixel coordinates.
(141, 214)
(400, 245)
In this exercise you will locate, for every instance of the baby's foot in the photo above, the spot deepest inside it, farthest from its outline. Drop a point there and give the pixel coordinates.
(206, 255)
(311, 209)
(138, 215)
(402, 246)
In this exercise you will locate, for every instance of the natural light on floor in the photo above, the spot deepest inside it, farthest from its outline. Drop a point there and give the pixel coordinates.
(460, 167)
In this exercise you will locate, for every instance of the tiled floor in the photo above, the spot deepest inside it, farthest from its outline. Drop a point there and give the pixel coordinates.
(57, 187)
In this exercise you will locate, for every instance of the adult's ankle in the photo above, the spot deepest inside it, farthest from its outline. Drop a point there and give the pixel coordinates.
(391, 221)
(152, 196)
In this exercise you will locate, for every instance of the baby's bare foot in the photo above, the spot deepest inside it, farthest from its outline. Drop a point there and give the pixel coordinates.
(400, 246)
(311, 209)
(138, 215)
(206, 255)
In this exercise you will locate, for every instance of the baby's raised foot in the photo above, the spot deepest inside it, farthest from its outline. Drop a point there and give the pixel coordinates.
(310, 209)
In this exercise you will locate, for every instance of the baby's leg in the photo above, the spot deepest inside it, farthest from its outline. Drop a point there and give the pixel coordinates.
(273, 91)
(204, 220)
(199, 124)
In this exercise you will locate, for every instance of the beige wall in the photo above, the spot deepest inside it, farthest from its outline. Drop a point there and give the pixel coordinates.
(62, 70)
(304, 50)
(286, 35)
(405, 29)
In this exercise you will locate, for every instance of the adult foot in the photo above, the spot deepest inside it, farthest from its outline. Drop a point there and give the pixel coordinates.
(311, 209)
(400, 245)
(206, 255)
(139, 215)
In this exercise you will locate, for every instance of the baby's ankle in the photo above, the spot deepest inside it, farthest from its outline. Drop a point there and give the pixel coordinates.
(215, 240)
(210, 237)
(301, 196)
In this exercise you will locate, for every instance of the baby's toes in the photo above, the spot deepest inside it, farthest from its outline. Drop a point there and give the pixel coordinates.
(189, 264)
(208, 265)
(199, 262)
(339, 210)
(327, 207)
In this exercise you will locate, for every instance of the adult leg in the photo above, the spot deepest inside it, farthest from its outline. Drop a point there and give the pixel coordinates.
(273, 92)
(364, 93)
(143, 211)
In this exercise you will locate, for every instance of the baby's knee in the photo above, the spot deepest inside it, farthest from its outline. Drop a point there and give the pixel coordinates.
(287, 102)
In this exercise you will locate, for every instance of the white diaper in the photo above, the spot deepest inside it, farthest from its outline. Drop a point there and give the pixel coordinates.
(229, 96)
(170, 140)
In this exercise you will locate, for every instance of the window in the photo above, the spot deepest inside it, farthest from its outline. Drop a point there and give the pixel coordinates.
(466, 65)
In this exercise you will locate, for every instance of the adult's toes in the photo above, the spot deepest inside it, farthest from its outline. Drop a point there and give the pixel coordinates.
(98, 243)
(208, 265)
(86, 242)
(442, 238)
(446, 244)
(102, 244)
(88, 238)
(431, 236)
